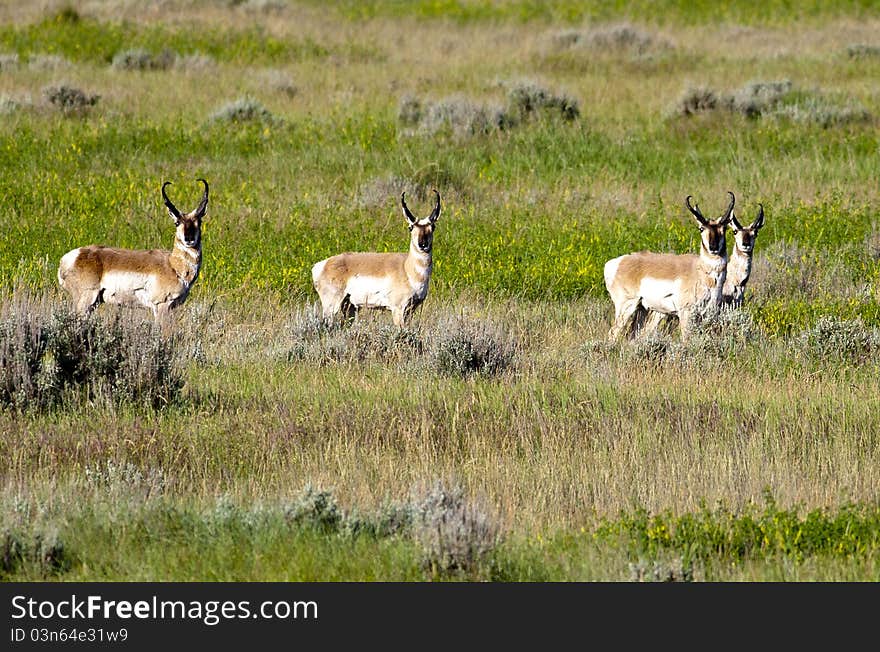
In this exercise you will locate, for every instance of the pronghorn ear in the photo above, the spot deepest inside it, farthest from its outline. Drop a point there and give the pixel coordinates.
(435, 214)
(759, 221)
(172, 210)
(409, 216)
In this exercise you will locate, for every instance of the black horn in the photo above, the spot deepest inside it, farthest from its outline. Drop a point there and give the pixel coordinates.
(203, 205)
(171, 207)
(412, 218)
(695, 210)
(435, 214)
(729, 211)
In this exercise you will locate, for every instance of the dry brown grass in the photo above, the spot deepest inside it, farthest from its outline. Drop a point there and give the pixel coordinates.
(576, 431)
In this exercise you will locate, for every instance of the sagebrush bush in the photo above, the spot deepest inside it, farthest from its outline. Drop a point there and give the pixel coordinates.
(244, 110)
(309, 338)
(615, 38)
(862, 51)
(461, 116)
(695, 100)
(774, 99)
(69, 99)
(758, 97)
(832, 339)
(315, 509)
(140, 59)
(527, 99)
(51, 355)
(461, 347)
(454, 533)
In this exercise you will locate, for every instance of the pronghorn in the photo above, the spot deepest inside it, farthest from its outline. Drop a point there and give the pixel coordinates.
(156, 279)
(739, 267)
(670, 284)
(393, 281)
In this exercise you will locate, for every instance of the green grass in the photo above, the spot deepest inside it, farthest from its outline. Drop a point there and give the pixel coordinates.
(680, 11)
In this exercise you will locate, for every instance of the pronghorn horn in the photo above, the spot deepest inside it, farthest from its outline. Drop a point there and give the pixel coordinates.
(412, 218)
(695, 210)
(203, 205)
(435, 214)
(171, 208)
(729, 210)
(759, 221)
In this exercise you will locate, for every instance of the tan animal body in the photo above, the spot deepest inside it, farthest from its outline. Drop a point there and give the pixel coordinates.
(670, 284)
(390, 281)
(739, 267)
(155, 279)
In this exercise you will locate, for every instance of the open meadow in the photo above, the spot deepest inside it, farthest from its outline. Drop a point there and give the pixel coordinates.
(499, 435)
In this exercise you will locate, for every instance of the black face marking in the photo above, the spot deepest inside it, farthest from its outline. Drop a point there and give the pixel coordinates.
(191, 233)
(425, 237)
(716, 242)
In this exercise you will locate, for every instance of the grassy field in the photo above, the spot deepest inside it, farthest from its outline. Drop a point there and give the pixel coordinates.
(498, 436)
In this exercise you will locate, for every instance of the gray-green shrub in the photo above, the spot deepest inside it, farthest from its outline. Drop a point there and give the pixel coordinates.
(50, 355)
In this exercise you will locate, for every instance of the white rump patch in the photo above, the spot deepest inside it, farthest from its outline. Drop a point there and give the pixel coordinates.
(68, 260)
(611, 269)
(318, 269)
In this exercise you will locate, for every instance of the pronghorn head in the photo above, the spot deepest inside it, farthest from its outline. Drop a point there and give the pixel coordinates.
(745, 235)
(422, 230)
(189, 225)
(712, 231)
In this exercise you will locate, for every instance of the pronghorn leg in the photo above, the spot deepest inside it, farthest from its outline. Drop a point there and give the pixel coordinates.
(684, 320)
(398, 316)
(625, 313)
(162, 316)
